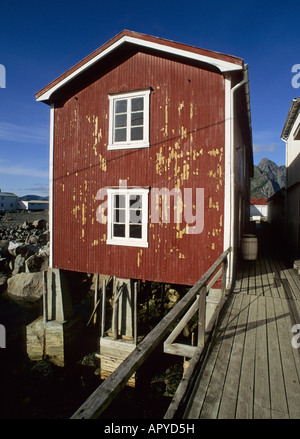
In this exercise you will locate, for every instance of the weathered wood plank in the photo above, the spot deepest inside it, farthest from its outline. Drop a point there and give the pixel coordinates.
(251, 284)
(230, 391)
(200, 389)
(261, 389)
(244, 408)
(277, 388)
(289, 368)
(213, 396)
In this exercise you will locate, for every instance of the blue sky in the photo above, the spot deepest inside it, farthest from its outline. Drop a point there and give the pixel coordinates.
(41, 40)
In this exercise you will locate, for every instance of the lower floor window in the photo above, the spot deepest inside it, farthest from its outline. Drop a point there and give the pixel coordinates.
(128, 217)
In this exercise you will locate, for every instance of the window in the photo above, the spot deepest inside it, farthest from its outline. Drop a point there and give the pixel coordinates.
(129, 120)
(127, 217)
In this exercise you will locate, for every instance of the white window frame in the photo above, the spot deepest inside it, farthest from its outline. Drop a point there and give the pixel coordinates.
(128, 144)
(127, 241)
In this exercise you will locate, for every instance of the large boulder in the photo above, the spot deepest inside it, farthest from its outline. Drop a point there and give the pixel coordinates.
(26, 286)
(3, 282)
(19, 265)
(37, 263)
(39, 224)
(4, 243)
(19, 248)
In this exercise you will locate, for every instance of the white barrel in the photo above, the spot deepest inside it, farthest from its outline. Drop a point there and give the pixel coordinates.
(249, 247)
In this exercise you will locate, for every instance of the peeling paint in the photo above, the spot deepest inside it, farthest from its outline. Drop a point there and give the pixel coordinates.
(75, 210)
(183, 133)
(83, 214)
(213, 152)
(139, 256)
(102, 163)
(191, 110)
(180, 107)
(213, 205)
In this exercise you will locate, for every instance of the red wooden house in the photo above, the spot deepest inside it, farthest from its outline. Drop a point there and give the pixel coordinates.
(150, 158)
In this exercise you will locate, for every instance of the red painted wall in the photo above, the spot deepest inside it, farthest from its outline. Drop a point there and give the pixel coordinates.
(186, 150)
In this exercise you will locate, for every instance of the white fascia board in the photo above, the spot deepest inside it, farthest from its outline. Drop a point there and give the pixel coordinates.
(51, 152)
(223, 66)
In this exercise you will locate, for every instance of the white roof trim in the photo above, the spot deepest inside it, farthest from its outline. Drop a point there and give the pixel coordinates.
(223, 66)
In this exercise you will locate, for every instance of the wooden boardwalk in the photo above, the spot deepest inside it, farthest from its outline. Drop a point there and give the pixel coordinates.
(253, 371)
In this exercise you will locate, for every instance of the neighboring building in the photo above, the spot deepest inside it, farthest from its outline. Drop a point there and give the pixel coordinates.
(258, 208)
(8, 201)
(291, 136)
(276, 211)
(138, 116)
(33, 205)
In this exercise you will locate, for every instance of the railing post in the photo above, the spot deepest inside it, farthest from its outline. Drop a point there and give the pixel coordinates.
(201, 316)
(224, 274)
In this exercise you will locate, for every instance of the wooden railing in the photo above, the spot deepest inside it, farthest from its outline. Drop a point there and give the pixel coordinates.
(108, 390)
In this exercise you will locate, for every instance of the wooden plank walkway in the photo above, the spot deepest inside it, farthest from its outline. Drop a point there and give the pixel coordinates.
(253, 371)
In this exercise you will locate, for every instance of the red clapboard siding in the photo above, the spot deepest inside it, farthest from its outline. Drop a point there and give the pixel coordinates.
(186, 150)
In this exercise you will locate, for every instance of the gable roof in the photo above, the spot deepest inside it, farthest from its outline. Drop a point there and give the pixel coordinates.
(259, 201)
(290, 119)
(223, 62)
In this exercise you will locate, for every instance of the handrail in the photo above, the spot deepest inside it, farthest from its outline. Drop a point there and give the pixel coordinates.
(100, 399)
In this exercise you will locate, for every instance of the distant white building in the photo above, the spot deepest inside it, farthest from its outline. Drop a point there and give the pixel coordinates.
(33, 205)
(8, 201)
(258, 208)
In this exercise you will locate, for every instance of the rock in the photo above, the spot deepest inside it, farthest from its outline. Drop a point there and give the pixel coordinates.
(12, 247)
(36, 263)
(19, 248)
(39, 224)
(26, 226)
(3, 264)
(45, 250)
(19, 265)
(4, 243)
(3, 282)
(44, 237)
(26, 286)
(33, 239)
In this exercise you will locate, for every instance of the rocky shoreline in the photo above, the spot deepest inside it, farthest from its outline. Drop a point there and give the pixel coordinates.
(38, 390)
(24, 253)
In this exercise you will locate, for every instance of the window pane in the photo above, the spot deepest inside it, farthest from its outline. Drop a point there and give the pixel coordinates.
(137, 119)
(119, 216)
(119, 230)
(120, 120)
(121, 106)
(137, 104)
(120, 134)
(119, 201)
(137, 133)
(135, 231)
(135, 216)
(135, 201)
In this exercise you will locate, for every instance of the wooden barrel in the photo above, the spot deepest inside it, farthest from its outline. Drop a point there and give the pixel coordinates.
(249, 247)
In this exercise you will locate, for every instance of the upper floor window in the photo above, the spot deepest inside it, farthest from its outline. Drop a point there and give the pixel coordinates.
(129, 120)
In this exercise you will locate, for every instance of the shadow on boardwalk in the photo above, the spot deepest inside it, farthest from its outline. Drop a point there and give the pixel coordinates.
(253, 370)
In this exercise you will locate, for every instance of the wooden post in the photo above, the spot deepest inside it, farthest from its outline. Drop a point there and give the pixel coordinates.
(202, 316)
(103, 308)
(96, 296)
(224, 274)
(118, 292)
(162, 293)
(135, 313)
(45, 310)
